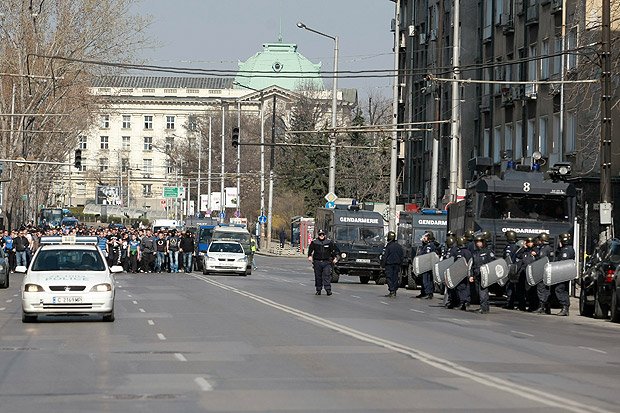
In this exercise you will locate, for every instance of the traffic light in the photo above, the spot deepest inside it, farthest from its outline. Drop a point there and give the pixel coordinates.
(78, 159)
(235, 137)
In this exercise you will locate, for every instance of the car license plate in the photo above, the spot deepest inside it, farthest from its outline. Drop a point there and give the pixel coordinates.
(364, 260)
(67, 300)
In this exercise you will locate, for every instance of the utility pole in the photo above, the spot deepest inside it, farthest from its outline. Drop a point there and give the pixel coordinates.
(262, 165)
(272, 161)
(209, 206)
(239, 160)
(394, 148)
(222, 183)
(606, 205)
(455, 139)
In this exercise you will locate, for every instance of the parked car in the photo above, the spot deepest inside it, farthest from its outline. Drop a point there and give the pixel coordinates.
(598, 280)
(614, 308)
(225, 257)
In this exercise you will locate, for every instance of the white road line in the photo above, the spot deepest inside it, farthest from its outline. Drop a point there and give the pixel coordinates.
(522, 333)
(203, 384)
(10, 300)
(335, 293)
(142, 310)
(418, 311)
(15, 295)
(129, 295)
(2, 308)
(460, 320)
(302, 284)
(355, 296)
(593, 349)
(135, 302)
(383, 302)
(151, 322)
(180, 357)
(526, 392)
(161, 336)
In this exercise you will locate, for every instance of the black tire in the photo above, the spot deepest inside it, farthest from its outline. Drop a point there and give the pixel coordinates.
(404, 277)
(600, 310)
(614, 311)
(205, 272)
(28, 318)
(5, 282)
(108, 318)
(380, 281)
(585, 309)
(364, 279)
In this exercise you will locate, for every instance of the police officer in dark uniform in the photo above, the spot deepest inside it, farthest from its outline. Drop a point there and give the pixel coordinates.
(525, 256)
(322, 253)
(542, 290)
(565, 252)
(391, 262)
(462, 288)
(510, 255)
(428, 246)
(449, 250)
(482, 255)
(469, 235)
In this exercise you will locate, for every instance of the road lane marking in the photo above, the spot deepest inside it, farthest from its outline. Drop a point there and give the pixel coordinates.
(335, 292)
(302, 284)
(355, 296)
(129, 295)
(180, 357)
(151, 322)
(161, 336)
(593, 349)
(135, 302)
(489, 380)
(10, 300)
(203, 384)
(2, 308)
(418, 311)
(383, 302)
(522, 333)
(142, 310)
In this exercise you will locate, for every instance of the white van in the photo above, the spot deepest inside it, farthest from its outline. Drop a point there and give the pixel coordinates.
(166, 224)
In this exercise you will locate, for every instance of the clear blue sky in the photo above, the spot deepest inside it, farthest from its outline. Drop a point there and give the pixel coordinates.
(216, 34)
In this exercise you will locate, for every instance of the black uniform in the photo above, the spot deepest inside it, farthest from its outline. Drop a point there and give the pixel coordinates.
(566, 252)
(510, 255)
(391, 261)
(428, 285)
(450, 297)
(542, 290)
(323, 253)
(462, 288)
(524, 258)
(482, 256)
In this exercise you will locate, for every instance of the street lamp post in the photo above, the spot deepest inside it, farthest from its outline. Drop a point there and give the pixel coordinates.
(332, 141)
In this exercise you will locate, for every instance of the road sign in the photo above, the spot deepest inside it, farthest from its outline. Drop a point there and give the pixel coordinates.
(174, 191)
(262, 219)
(331, 197)
(222, 215)
(330, 205)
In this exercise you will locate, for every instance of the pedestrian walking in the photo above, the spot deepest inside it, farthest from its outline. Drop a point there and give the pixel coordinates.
(160, 249)
(187, 247)
(282, 237)
(173, 251)
(20, 244)
(391, 262)
(321, 253)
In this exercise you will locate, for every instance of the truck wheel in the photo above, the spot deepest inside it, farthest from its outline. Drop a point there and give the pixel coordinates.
(364, 279)
(404, 277)
(585, 309)
(615, 313)
(600, 310)
(5, 282)
(380, 281)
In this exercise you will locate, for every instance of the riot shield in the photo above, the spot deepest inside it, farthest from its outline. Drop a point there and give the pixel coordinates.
(534, 271)
(504, 280)
(491, 272)
(455, 273)
(513, 272)
(424, 263)
(439, 269)
(559, 271)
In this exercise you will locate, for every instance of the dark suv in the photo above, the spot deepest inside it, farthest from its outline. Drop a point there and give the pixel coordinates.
(598, 280)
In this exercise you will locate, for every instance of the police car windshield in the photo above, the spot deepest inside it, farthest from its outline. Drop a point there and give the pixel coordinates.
(226, 247)
(76, 260)
(237, 236)
(525, 207)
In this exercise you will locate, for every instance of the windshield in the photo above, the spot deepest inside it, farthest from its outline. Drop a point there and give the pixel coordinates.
(78, 260)
(527, 207)
(226, 247)
(50, 216)
(205, 235)
(614, 251)
(241, 237)
(352, 234)
(404, 233)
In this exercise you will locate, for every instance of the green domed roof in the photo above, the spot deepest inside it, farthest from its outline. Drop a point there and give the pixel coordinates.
(278, 58)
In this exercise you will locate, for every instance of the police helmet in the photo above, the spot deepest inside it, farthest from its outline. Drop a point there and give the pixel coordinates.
(487, 235)
(450, 241)
(543, 237)
(450, 233)
(469, 234)
(430, 236)
(391, 236)
(480, 238)
(511, 236)
(461, 241)
(529, 239)
(321, 232)
(565, 238)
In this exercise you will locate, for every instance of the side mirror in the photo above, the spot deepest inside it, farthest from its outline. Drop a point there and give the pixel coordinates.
(116, 269)
(21, 269)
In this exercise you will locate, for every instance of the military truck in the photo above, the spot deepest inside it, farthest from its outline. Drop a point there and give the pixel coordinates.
(359, 235)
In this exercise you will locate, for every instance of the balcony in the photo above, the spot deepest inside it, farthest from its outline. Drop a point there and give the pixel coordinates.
(556, 6)
(507, 23)
(531, 16)
(485, 103)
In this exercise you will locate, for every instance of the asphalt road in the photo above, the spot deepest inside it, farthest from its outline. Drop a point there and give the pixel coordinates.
(266, 343)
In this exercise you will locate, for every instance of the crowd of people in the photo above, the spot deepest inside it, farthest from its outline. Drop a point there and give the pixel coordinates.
(135, 249)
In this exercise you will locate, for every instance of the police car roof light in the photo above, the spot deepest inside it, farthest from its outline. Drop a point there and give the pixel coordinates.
(68, 240)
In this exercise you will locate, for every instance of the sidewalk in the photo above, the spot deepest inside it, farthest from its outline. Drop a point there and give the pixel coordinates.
(275, 250)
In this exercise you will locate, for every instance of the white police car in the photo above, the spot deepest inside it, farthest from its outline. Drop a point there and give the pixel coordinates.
(225, 257)
(68, 276)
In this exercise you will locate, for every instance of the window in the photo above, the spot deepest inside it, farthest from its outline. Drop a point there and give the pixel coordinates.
(192, 142)
(82, 142)
(556, 134)
(499, 9)
(126, 142)
(497, 143)
(542, 134)
(544, 62)
(532, 64)
(169, 166)
(570, 133)
(82, 167)
(531, 130)
(518, 151)
(486, 142)
(169, 144)
(103, 164)
(148, 143)
(571, 44)
(192, 123)
(104, 121)
(147, 166)
(124, 165)
(80, 189)
(147, 189)
(508, 138)
(169, 122)
(488, 20)
(104, 142)
(557, 59)
(126, 121)
(148, 122)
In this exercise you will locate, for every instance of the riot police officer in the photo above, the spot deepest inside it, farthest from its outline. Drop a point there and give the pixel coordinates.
(482, 255)
(391, 262)
(469, 235)
(510, 255)
(565, 252)
(449, 250)
(322, 253)
(428, 247)
(542, 290)
(525, 256)
(462, 288)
